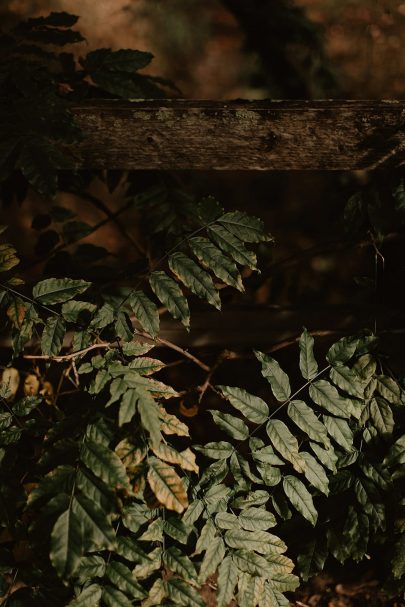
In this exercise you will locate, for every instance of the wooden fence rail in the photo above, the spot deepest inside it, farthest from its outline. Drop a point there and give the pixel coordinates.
(242, 135)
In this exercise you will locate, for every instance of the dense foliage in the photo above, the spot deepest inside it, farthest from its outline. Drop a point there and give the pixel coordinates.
(105, 497)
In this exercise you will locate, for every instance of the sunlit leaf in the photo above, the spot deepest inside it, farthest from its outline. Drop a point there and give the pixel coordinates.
(193, 277)
(300, 498)
(285, 443)
(278, 379)
(167, 485)
(308, 364)
(252, 407)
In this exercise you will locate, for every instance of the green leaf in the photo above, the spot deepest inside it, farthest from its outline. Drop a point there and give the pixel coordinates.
(145, 311)
(89, 597)
(278, 379)
(326, 456)
(137, 348)
(129, 405)
(389, 389)
(308, 364)
(104, 463)
(193, 277)
(58, 290)
(273, 598)
(284, 582)
(304, 417)
(227, 579)
(214, 555)
(339, 430)
(129, 548)
(300, 498)
(123, 60)
(265, 455)
(96, 525)
(232, 425)
(67, 545)
(123, 327)
(232, 245)
(315, 473)
(226, 520)
(157, 388)
(213, 259)
(52, 336)
(167, 485)
(171, 296)
(260, 541)
(252, 407)
(157, 594)
(145, 365)
(74, 311)
(365, 367)
(342, 350)
(121, 576)
(312, 560)
(256, 519)
(150, 417)
(112, 597)
(90, 567)
(381, 414)
(179, 563)
(347, 380)
(251, 563)
(325, 395)
(104, 317)
(8, 257)
(285, 443)
(206, 536)
(245, 227)
(183, 594)
(218, 450)
(193, 512)
(134, 516)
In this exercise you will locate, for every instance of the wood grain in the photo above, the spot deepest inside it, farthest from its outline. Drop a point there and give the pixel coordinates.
(241, 135)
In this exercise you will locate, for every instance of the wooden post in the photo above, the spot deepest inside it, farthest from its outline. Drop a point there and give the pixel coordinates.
(242, 135)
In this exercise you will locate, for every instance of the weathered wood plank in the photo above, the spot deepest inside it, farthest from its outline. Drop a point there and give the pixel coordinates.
(242, 135)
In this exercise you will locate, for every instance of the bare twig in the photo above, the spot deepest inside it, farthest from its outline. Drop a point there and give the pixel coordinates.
(203, 388)
(172, 346)
(72, 355)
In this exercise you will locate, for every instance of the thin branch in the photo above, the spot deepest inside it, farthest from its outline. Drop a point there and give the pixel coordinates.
(108, 345)
(172, 346)
(72, 355)
(203, 388)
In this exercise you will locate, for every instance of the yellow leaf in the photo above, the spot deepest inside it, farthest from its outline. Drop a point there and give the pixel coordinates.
(171, 424)
(167, 485)
(185, 459)
(10, 382)
(130, 455)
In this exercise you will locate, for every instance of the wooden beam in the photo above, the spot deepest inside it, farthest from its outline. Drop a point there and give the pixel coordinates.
(242, 135)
